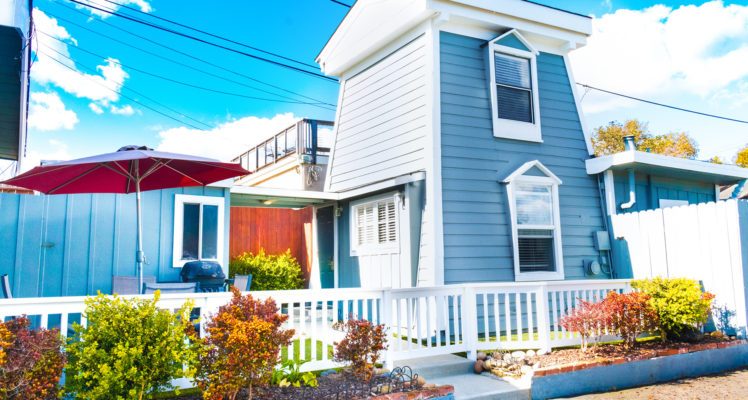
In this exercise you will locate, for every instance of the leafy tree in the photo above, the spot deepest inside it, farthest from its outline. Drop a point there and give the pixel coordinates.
(241, 351)
(609, 140)
(716, 160)
(129, 349)
(741, 159)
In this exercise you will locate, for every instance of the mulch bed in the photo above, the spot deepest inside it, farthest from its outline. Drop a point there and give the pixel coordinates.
(567, 360)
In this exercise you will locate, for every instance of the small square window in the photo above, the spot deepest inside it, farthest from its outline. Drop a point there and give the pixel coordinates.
(374, 226)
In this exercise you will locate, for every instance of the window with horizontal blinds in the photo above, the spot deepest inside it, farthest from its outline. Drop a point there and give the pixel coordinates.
(513, 87)
(376, 223)
(535, 250)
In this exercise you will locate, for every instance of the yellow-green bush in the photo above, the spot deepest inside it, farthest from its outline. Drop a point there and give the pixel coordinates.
(129, 349)
(269, 271)
(679, 302)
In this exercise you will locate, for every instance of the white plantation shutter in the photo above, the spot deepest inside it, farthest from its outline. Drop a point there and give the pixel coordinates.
(376, 224)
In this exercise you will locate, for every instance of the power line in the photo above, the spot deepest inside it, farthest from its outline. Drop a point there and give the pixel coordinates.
(341, 3)
(662, 105)
(321, 103)
(211, 34)
(277, 63)
(131, 99)
(164, 77)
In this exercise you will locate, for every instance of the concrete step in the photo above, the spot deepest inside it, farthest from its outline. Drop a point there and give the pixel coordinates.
(438, 366)
(483, 387)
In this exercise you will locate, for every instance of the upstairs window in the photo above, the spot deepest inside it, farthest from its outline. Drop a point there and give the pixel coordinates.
(374, 224)
(535, 222)
(198, 229)
(514, 93)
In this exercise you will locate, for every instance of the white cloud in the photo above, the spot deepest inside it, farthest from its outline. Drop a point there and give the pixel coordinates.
(227, 140)
(142, 4)
(34, 157)
(96, 108)
(47, 112)
(663, 51)
(124, 110)
(93, 86)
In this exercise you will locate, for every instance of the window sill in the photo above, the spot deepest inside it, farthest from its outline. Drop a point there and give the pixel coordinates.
(538, 276)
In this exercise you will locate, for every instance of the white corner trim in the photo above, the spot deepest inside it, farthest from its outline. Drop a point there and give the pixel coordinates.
(600, 164)
(506, 128)
(515, 33)
(179, 201)
(526, 166)
(578, 104)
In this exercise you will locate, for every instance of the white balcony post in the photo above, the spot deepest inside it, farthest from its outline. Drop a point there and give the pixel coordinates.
(470, 323)
(386, 310)
(544, 327)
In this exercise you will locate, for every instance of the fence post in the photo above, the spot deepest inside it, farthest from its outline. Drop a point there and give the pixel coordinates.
(386, 310)
(544, 327)
(470, 323)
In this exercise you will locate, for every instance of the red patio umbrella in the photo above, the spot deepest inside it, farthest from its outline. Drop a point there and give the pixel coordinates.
(131, 169)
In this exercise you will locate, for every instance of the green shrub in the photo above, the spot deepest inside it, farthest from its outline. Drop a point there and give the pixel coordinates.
(269, 271)
(130, 348)
(679, 303)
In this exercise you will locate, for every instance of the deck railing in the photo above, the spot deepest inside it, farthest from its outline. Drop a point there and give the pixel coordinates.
(421, 321)
(304, 138)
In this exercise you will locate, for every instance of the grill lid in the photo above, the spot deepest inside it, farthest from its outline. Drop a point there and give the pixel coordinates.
(200, 270)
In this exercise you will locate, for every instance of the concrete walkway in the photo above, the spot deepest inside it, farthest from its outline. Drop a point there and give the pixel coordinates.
(457, 371)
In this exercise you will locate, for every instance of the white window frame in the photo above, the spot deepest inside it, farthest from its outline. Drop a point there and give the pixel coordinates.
(379, 248)
(179, 201)
(511, 186)
(507, 128)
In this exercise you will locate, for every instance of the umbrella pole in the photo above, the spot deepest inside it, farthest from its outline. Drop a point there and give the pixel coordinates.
(139, 256)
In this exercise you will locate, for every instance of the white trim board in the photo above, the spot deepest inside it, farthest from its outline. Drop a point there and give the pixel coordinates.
(632, 159)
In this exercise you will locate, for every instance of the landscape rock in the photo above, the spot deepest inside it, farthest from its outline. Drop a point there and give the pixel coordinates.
(507, 357)
(420, 381)
(481, 355)
(518, 355)
(478, 367)
(530, 353)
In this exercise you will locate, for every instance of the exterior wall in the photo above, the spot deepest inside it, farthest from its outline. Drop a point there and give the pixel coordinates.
(274, 230)
(476, 226)
(381, 129)
(71, 245)
(395, 270)
(651, 189)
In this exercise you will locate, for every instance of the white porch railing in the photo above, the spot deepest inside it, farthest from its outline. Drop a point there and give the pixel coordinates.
(421, 321)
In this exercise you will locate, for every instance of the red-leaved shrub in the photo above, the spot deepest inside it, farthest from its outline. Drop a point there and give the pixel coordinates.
(630, 315)
(31, 361)
(588, 319)
(361, 346)
(241, 351)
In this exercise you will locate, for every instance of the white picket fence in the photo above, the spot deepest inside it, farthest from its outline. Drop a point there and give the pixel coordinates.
(702, 242)
(421, 321)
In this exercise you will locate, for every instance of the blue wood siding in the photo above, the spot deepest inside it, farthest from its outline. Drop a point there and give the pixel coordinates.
(477, 235)
(650, 189)
(70, 245)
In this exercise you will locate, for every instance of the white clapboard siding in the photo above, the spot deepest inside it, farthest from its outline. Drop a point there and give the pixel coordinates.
(701, 242)
(381, 130)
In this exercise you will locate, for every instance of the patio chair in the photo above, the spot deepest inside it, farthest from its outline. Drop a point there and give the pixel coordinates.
(170, 287)
(5, 283)
(242, 282)
(129, 284)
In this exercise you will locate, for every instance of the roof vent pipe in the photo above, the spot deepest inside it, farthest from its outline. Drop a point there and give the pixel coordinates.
(629, 143)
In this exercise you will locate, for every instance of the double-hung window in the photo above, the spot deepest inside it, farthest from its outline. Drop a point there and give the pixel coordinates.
(198, 229)
(535, 222)
(374, 225)
(514, 88)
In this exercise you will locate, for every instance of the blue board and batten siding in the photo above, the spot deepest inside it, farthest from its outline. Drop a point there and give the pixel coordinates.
(477, 234)
(650, 189)
(68, 245)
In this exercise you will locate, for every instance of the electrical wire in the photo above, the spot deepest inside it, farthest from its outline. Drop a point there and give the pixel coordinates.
(163, 77)
(341, 3)
(133, 100)
(210, 34)
(184, 35)
(321, 103)
(662, 105)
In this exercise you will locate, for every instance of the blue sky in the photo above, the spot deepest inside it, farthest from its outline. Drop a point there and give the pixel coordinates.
(694, 56)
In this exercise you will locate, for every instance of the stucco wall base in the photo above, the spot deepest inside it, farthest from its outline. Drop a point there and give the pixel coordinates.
(638, 373)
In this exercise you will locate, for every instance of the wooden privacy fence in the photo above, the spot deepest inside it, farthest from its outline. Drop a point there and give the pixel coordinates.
(421, 321)
(701, 241)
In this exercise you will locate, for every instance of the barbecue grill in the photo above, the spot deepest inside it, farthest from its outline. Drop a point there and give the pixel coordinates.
(208, 274)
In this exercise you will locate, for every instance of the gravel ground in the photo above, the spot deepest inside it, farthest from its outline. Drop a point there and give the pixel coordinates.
(728, 385)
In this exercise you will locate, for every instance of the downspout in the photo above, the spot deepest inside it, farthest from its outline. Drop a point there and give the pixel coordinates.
(629, 145)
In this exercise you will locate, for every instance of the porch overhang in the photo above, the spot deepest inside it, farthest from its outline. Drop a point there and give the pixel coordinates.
(657, 164)
(253, 196)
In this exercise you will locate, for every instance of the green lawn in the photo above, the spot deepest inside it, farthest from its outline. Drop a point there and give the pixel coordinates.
(307, 350)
